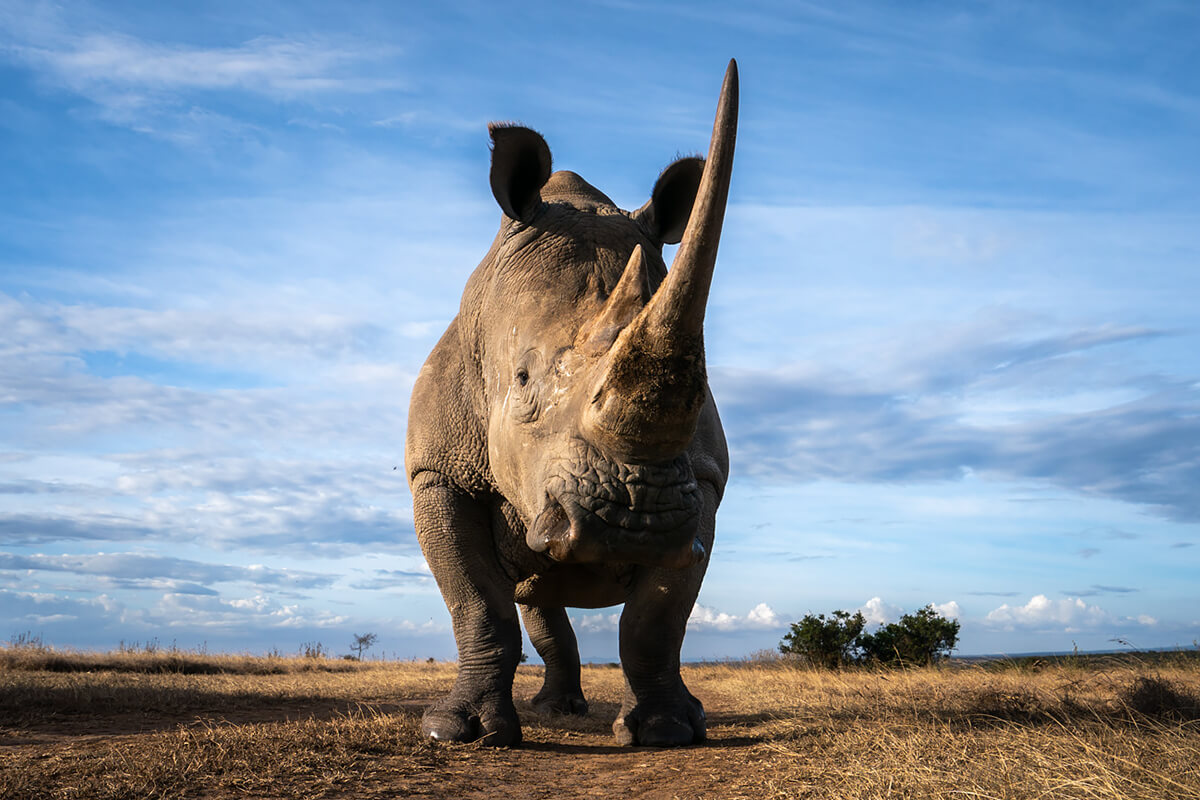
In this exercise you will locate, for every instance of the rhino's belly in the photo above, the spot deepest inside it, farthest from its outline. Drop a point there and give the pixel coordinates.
(577, 586)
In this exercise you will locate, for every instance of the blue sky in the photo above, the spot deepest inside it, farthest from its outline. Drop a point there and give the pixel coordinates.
(952, 332)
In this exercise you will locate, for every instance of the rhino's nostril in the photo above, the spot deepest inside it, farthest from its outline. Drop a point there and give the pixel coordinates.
(551, 525)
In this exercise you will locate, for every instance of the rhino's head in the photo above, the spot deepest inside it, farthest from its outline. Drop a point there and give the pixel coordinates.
(590, 353)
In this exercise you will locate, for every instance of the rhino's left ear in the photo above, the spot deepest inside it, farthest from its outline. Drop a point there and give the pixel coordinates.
(666, 214)
(520, 168)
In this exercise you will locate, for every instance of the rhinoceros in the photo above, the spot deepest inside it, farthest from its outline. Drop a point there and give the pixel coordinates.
(563, 446)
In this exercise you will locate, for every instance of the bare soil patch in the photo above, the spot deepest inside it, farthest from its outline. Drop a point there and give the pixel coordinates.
(1118, 731)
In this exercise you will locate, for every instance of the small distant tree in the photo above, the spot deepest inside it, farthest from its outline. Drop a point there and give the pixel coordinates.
(925, 637)
(822, 642)
(363, 642)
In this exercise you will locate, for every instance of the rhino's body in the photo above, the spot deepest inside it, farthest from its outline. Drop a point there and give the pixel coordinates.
(563, 448)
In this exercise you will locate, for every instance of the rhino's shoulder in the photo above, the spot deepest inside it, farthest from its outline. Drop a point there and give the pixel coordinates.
(445, 434)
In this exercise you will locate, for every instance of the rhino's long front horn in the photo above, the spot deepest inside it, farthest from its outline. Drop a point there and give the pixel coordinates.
(679, 303)
(646, 405)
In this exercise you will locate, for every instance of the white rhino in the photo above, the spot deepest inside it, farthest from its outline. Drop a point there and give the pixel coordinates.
(563, 447)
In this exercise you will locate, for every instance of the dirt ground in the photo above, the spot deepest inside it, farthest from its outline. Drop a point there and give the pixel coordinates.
(774, 731)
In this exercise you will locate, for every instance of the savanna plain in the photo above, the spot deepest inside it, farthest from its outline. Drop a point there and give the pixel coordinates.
(163, 724)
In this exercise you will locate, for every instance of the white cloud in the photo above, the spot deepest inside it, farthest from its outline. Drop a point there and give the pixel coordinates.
(23, 608)
(761, 617)
(702, 618)
(948, 610)
(597, 623)
(259, 611)
(878, 612)
(1069, 614)
(429, 627)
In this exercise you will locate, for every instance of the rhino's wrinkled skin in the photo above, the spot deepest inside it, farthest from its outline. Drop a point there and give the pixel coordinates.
(563, 447)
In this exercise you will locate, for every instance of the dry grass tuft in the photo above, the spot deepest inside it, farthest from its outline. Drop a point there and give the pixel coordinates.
(1155, 696)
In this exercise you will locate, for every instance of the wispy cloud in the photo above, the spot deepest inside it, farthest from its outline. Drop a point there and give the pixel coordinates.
(42, 608)
(39, 528)
(136, 566)
(222, 337)
(116, 68)
(920, 419)
(1097, 588)
(395, 579)
(179, 91)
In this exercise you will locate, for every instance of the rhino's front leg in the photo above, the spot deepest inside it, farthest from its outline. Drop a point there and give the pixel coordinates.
(551, 634)
(456, 536)
(658, 710)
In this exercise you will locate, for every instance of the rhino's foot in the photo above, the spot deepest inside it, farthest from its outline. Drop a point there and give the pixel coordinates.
(674, 725)
(454, 720)
(554, 701)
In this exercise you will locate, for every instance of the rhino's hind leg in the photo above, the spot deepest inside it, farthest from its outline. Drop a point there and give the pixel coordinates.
(552, 637)
(455, 534)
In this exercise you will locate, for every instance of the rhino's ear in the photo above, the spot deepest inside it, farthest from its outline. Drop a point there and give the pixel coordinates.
(666, 214)
(520, 168)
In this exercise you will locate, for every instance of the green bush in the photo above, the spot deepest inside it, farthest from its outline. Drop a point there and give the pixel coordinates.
(925, 637)
(825, 642)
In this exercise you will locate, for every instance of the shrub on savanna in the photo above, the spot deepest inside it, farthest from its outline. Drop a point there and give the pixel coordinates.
(925, 637)
(825, 642)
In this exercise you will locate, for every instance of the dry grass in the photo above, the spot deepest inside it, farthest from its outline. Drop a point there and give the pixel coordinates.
(1119, 731)
(1059, 732)
(29, 654)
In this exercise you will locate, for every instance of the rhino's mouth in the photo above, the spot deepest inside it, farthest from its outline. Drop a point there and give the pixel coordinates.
(599, 511)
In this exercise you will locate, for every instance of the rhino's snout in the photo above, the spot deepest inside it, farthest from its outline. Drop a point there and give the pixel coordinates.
(597, 511)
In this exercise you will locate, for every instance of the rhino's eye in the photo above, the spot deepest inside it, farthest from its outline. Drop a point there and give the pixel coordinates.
(522, 376)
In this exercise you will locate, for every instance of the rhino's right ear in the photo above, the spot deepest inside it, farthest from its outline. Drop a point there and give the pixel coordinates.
(520, 168)
(666, 214)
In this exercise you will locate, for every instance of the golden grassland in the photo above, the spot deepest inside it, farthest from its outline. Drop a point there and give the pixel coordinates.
(171, 724)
